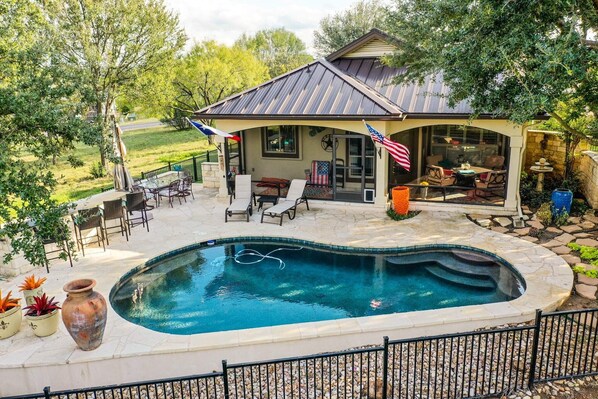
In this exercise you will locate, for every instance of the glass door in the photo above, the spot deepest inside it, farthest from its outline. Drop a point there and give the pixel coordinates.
(354, 169)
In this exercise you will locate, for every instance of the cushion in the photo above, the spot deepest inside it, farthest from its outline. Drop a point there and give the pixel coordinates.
(273, 182)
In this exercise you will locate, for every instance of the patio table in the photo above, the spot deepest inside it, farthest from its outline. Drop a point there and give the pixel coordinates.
(98, 199)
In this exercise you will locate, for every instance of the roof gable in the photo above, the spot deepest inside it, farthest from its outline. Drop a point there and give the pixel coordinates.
(375, 43)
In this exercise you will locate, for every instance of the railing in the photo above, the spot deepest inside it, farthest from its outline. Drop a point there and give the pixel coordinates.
(559, 345)
(190, 165)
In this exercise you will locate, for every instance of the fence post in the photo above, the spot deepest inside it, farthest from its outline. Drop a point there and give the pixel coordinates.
(208, 156)
(47, 392)
(194, 169)
(225, 378)
(532, 370)
(142, 175)
(169, 167)
(385, 369)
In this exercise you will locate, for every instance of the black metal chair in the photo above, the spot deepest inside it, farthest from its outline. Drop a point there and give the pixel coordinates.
(88, 219)
(170, 192)
(114, 210)
(186, 188)
(62, 237)
(136, 202)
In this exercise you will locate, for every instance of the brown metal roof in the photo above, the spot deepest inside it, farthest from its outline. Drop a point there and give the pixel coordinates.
(316, 90)
(426, 98)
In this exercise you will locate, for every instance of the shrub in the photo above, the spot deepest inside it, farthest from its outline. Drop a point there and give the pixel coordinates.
(561, 218)
(97, 170)
(587, 253)
(592, 273)
(545, 213)
(395, 216)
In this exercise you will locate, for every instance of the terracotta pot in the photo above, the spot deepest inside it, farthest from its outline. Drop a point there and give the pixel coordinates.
(45, 325)
(84, 313)
(10, 322)
(29, 294)
(400, 199)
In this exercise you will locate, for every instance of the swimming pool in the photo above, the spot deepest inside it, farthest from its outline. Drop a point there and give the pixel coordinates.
(247, 283)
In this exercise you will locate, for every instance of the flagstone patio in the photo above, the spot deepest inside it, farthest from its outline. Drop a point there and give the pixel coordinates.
(28, 363)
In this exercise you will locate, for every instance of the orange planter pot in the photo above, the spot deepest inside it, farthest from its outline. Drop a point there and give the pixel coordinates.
(400, 199)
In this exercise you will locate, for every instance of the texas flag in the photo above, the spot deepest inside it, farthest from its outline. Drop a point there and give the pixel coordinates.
(209, 130)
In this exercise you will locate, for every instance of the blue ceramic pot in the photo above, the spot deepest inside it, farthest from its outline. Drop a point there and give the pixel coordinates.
(561, 200)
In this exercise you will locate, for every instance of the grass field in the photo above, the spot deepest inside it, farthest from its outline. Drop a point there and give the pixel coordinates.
(146, 149)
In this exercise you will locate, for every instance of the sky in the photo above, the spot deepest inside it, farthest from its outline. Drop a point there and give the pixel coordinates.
(225, 20)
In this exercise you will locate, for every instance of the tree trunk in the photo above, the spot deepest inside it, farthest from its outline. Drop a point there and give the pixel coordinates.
(571, 143)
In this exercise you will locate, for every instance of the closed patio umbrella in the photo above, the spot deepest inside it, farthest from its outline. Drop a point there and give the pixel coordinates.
(122, 176)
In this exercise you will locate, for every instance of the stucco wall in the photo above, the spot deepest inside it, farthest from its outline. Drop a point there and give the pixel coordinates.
(549, 146)
(588, 168)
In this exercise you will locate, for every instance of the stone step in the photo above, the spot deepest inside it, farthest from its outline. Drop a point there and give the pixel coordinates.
(480, 282)
(475, 258)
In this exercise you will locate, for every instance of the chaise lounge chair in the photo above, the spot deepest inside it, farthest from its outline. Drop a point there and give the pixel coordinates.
(241, 204)
(289, 204)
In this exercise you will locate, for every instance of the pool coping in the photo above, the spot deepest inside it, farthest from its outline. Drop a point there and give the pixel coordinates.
(128, 347)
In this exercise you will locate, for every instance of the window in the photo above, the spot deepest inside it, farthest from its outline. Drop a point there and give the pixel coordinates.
(280, 142)
(356, 162)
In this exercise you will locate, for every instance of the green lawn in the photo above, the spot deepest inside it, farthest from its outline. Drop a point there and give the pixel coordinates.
(147, 149)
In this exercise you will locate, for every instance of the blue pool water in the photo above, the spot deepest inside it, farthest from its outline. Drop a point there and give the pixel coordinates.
(239, 285)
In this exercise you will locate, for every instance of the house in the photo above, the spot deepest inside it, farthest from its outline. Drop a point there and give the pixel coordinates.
(315, 113)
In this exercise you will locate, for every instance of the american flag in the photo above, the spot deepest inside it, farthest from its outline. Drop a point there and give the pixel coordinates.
(399, 152)
(320, 172)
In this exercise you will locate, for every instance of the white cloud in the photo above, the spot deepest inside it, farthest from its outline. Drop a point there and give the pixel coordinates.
(225, 20)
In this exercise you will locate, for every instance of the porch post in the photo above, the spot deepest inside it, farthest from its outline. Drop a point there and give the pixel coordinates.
(516, 146)
(222, 162)
(382, 169)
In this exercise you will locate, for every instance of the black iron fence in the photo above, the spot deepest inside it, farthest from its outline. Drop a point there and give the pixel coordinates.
(559, 345)
(192, 166)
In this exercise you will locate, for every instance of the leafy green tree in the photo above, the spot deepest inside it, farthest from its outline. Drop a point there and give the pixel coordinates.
(515, 59)
(211, 72)
(342, 28)
(40, 108)
(280, 49)
(112, 43)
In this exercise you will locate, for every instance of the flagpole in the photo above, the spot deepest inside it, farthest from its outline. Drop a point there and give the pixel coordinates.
(373, 142)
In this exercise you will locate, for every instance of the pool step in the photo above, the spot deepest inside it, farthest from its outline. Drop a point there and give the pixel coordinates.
(473, 258)
(479, 282)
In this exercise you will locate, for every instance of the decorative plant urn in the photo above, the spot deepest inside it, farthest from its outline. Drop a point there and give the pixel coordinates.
(45, 325)
(400, 199)
(10, 322)
(561, 201)
(29, 294)
(84, 313)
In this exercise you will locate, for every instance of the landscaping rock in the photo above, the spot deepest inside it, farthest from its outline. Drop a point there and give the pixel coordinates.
(582, 235)
(503, 221)
(574, 220)
(563, 250)
(552, 244)
(586, 291)
(571, 229)
(588, 242)
(484, 222)
(499, 229)
(591, 218)
(525, 217)
(565, 238)
(535, 224)
(587, 225)
(529, 238)
(522, 232)
(583, 279)
(554, 230)
(571, 259)
(525, 210)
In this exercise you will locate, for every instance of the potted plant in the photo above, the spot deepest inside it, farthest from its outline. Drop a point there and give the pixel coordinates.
(32, 287)
(10, 315)
(42, 315)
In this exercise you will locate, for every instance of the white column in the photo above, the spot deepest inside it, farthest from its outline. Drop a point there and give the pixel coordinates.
(220, 143)
(516, 146)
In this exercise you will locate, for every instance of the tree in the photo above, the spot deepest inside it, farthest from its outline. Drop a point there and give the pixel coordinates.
(40, 108)
(342, 28)
(210, 73)
(280, 49)
(513, 59)
(112, 43)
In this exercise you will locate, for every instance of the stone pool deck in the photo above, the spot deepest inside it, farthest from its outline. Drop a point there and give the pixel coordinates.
(131, 353)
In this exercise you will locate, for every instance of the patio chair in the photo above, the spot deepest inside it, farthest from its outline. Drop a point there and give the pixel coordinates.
(61, 237)
(88, 219)
(288, 205)
(241, 200)
(114, 210)
(170, 192)
(493, 183)
(186, 188)
(136, 202)
(438, 176)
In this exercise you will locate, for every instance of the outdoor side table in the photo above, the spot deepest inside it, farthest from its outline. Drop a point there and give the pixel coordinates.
(266, 199)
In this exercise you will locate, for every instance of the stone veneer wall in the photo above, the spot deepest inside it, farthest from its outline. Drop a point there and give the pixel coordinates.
(210, 174)
(552, 147)
(16, 266)
(588, 168)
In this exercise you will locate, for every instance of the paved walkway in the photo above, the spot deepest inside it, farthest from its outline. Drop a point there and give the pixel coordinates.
(548, 278)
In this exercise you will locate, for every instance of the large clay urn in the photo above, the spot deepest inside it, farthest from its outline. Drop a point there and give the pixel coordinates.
(84, 313)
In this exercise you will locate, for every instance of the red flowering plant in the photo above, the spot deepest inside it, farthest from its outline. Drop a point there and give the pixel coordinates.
(41, 306)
